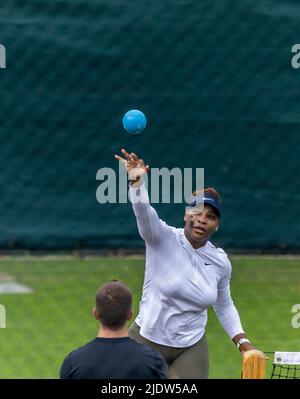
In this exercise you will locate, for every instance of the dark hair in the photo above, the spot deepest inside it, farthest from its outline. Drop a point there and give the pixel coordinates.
(113, 304)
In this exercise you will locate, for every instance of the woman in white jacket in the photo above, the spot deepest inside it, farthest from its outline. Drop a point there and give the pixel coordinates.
(185, 274)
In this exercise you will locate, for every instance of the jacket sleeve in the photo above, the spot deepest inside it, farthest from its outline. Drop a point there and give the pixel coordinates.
(153, 230)
(224, 306)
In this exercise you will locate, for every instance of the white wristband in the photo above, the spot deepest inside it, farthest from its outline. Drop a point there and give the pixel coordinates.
(242, 341)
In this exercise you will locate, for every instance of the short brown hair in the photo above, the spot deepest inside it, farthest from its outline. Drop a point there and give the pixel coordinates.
(113, 304)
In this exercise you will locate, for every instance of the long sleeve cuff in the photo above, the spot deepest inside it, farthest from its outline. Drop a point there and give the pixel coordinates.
(139, 195)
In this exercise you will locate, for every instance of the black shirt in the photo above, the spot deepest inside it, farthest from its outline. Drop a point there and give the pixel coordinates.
(113, 358)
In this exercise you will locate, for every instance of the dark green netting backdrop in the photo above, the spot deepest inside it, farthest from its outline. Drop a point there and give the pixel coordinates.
(215, 81)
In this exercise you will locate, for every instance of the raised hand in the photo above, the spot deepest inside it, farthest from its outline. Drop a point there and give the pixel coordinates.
(136, 167)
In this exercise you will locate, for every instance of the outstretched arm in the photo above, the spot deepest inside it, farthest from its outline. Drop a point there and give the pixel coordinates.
(152, 230)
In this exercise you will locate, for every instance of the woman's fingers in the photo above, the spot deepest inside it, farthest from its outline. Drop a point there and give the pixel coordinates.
(121, 159)
(126, 155)
(132, 161)
(134, 156)
(140, 163)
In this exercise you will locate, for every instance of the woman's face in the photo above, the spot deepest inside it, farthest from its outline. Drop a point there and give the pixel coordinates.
(200, 226)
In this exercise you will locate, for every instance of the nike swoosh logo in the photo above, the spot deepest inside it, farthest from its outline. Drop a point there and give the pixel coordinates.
(207, 264)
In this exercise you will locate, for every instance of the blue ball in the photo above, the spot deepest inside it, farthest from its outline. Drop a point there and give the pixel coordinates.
(134, 121)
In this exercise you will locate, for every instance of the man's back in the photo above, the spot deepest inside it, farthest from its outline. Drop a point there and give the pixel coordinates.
(113, 358)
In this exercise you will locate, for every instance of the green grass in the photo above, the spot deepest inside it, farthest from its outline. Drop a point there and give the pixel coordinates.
(44, 326)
